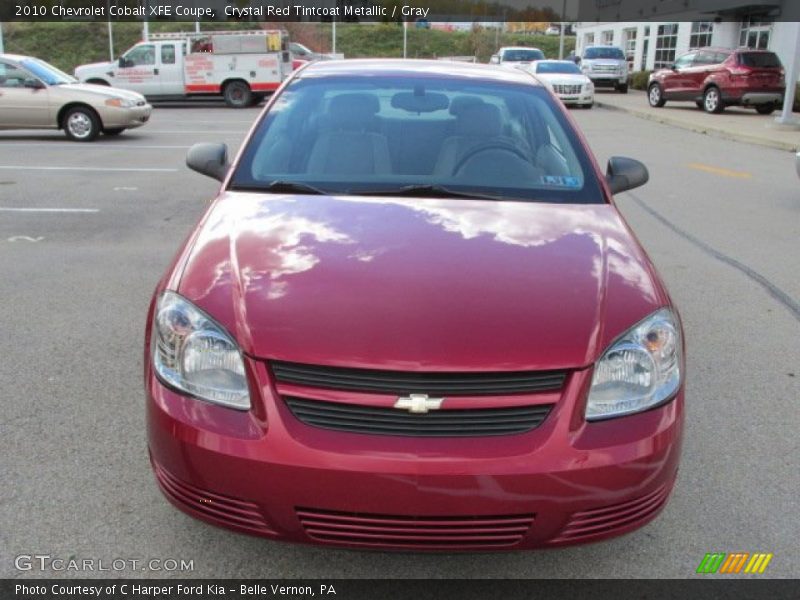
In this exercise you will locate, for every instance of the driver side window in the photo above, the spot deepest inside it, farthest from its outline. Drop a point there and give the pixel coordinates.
(684, 61)
(12, 77)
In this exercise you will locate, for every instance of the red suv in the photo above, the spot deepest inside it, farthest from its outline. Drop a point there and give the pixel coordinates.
(715, 78)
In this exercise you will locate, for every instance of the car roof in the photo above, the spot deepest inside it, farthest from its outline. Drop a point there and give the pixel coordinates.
(519, 48)
(413, 68)
(14, 57)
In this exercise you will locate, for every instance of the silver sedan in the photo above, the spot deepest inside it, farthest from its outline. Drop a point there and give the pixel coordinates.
(36, 95)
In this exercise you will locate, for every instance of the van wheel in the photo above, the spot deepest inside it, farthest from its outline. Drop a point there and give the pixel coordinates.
(712, 101)
(237, 94)
(655, 95)
(81, 124)
(765, 109)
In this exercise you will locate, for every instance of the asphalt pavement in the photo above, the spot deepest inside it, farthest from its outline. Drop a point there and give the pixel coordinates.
(86, 230)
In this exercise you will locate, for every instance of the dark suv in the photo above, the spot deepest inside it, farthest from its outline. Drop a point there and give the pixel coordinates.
(714, 78)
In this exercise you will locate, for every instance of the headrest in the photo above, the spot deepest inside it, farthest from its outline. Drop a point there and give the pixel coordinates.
(352, 110)
(459, 103)
(480, 119)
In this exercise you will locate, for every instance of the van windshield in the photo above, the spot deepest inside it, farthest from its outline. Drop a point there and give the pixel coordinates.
(350, 134)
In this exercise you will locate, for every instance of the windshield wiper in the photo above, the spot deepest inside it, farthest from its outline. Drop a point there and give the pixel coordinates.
(282, 187)
(425, 191)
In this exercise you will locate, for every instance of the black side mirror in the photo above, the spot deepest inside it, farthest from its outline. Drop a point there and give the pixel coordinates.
(124, 63)
(209, 159)
(624, 174)
(33, 84)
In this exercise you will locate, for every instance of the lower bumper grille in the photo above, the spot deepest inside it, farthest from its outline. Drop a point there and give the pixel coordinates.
(602, 521)
(357, 418)
(567, 89)
(364, 529)
(224, 510)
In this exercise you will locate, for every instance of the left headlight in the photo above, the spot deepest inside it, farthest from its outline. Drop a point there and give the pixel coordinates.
(195, 355)
(120, 103)
(640, 370)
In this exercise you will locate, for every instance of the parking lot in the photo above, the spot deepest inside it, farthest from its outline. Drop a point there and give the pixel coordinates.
(86, 230)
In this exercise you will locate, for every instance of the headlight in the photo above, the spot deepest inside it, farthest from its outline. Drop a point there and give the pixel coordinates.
(195, 355)
(120, 103)
(638, 371)
(589, 86)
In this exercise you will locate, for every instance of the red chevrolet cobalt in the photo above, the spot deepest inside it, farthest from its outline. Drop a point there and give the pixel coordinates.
(413, 318)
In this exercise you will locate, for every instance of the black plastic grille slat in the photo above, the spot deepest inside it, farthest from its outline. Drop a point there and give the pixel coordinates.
(354, 418)
(409, 382)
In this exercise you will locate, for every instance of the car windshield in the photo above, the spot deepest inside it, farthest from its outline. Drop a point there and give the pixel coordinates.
(614, 53)
(421, 136)
(762, 60)
(557, 67)
(522, 55)
(47, 73)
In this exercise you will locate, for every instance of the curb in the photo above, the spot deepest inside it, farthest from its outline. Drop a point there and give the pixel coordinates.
(714, 131)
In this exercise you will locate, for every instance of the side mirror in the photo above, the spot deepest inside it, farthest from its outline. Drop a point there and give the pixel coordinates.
(624, 174)
(209, 159)
(33, 84)
(494, 60)
(124, 63)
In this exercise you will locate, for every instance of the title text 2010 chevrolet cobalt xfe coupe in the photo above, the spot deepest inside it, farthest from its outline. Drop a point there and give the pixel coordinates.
(414, 318)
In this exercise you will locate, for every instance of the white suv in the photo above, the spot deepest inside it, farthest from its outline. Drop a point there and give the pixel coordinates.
(606, 66)
(516, 56)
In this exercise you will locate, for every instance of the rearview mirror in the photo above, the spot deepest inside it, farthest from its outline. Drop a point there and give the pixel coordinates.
(209, 159)
(624, 174)
(494, 60)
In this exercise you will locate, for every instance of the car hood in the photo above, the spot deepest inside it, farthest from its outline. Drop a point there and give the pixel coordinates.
(101, 91)
(563, 78)
(442, 284)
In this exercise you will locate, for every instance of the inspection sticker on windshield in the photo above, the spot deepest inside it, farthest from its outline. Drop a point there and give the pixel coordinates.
(562, 181)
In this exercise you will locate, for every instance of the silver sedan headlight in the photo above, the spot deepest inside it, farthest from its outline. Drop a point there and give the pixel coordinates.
(121, 102)
(195, 355)
(640, 370)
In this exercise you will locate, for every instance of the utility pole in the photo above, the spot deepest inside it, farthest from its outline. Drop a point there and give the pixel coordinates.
(792, 73)
(561, 33)
(405, 38)
(1, 39)
(333, 35)
(146, 25)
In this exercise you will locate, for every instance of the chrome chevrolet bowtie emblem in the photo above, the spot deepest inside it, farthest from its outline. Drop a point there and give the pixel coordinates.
(418, 403)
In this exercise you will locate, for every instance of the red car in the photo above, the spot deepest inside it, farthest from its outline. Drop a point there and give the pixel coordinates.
(414, 318)
(714, 78)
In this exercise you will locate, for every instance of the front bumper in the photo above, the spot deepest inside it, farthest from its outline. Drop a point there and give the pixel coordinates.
(264, 472)
(606, 79)
(127, 118)
(577, 99)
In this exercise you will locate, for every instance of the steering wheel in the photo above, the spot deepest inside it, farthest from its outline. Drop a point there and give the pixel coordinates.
(487, 146)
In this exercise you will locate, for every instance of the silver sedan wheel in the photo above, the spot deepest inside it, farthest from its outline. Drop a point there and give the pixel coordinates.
(80, 125)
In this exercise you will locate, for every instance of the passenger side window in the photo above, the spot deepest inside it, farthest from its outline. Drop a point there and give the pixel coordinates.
(706, 58)
(685, 61)
(142, 55)
(168, 54)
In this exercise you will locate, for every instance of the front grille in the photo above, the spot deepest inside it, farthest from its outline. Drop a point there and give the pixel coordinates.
(365, 529)
(605, 69)
(357, 418)
(567, 89)
(399, 383)
(602, 521)
(224, 510)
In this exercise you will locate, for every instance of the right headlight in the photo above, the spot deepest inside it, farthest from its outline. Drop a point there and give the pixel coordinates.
(640, 370)
(195, 355)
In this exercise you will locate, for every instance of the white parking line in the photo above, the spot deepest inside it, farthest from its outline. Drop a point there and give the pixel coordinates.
(112, 169)
(49, 210)
(98, 146)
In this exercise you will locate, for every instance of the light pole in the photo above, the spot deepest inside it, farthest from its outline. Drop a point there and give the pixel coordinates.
(1, 39)
(561, 34)
(405, 38)
(792, 73)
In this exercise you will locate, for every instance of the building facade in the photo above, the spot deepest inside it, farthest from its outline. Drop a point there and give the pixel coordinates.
(654, 45)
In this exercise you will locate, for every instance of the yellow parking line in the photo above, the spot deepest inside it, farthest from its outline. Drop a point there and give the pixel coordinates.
(720, 171)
